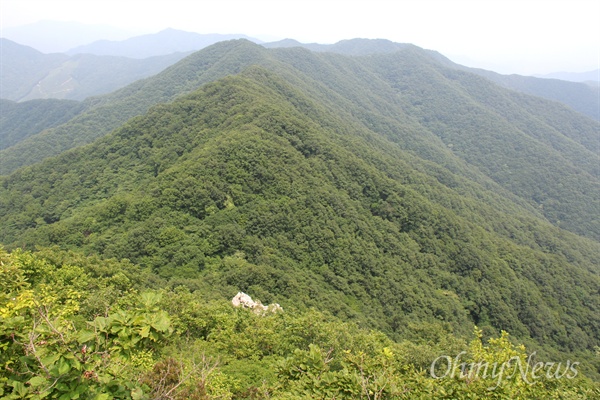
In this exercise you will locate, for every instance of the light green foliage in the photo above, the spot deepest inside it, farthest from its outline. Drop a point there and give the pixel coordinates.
(48, 350)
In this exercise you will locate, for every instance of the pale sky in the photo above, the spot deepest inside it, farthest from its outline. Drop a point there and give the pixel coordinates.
(510, 36)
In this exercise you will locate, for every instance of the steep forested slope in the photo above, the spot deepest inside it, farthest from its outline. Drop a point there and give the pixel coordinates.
(251, 184)
(580, 96)
(538, 150)
(554, 165)
(21, 120)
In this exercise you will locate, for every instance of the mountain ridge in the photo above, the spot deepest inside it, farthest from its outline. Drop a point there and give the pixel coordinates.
(250, 182)
(28, 74)
(162, 43)
(21, 120)
(48, 36)
(591, 76)
(580, 96)
(398, 100)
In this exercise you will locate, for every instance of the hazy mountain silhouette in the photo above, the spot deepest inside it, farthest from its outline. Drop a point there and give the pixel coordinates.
(164, 42)
(590, 76)
(60, 36)
(28, 74)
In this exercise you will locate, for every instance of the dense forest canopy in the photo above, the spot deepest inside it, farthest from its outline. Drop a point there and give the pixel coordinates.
(408, 209)
(538, 150)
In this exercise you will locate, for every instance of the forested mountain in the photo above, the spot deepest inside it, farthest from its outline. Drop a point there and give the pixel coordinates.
(388, 189)
(164, 42)
(351, 47)
(27, 74)
(21, 120)
(580, 96)
(23, 67)
(540, 151)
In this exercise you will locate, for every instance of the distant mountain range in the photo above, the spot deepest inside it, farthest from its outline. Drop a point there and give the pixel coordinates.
(105, 66)
(581, 97)
(589, 76)
(27, 74)
(352, 47)
(164, 42)
(60, 36)
(94, 69)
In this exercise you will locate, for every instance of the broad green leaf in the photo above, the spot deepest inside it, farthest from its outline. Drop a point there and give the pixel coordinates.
(100, 323)
(38, 381)
(50, 360)
(145, 331)
(161, 322)
(86, 336)
(63, 367)
(20, 388)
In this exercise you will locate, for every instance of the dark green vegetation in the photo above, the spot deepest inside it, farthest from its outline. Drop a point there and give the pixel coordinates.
(21, 120)
(389, 190)
(28, 74)
(538, 150)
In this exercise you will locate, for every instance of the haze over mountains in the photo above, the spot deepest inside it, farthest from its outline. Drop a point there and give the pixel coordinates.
(27, 74)
(83, 75)
(590, 76)
(373, 180)
(162, 43)
(60, 36)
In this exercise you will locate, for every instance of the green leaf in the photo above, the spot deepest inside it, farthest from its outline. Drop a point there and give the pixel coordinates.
(86, 336)
(137, 394)
(150, 298)
(19, 388)
(161, 322)
(145, 331)
(100, 323)
(38, 381)
(50, 360)
(63, 367)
